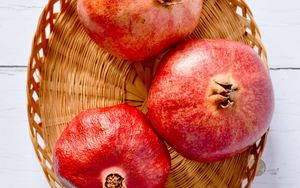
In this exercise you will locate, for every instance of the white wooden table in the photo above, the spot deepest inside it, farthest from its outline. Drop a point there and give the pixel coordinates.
(280, 27)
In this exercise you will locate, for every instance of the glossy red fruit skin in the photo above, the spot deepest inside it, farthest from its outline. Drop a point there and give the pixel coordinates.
(139, 29)
(112, 137)
(183, 112)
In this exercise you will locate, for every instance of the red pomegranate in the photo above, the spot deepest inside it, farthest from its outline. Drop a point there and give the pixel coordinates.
(111, 147)
(139, 29)
(211, 99)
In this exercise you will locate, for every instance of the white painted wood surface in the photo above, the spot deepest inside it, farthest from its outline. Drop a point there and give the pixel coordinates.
(18, 21)
(279, 22)
(19, 166)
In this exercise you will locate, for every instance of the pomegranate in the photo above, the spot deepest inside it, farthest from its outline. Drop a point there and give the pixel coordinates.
(211, 99)
(111, 147)
(140, 29)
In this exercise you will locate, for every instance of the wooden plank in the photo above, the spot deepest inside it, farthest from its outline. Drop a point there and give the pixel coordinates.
(18, 21)
(279, 24)
(19, 166)
(282, 154)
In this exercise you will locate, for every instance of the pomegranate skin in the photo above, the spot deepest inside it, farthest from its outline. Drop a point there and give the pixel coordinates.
(106, 145)
(140, 29)
(211, 99)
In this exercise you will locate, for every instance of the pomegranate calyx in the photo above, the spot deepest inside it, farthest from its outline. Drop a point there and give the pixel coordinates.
(114, 180)
(227, 94)
(222, 91)
(169, 2)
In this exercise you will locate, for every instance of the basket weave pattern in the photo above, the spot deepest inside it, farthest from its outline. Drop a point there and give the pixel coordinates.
(67, 73)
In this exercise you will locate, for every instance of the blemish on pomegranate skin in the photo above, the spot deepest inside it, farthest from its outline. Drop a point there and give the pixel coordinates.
(167, 3)
(130, 26)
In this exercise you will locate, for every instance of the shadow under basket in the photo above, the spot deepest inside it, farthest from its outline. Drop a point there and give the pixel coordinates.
(68, 73)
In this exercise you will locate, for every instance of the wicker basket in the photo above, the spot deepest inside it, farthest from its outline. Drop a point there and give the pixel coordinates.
(67, 73)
